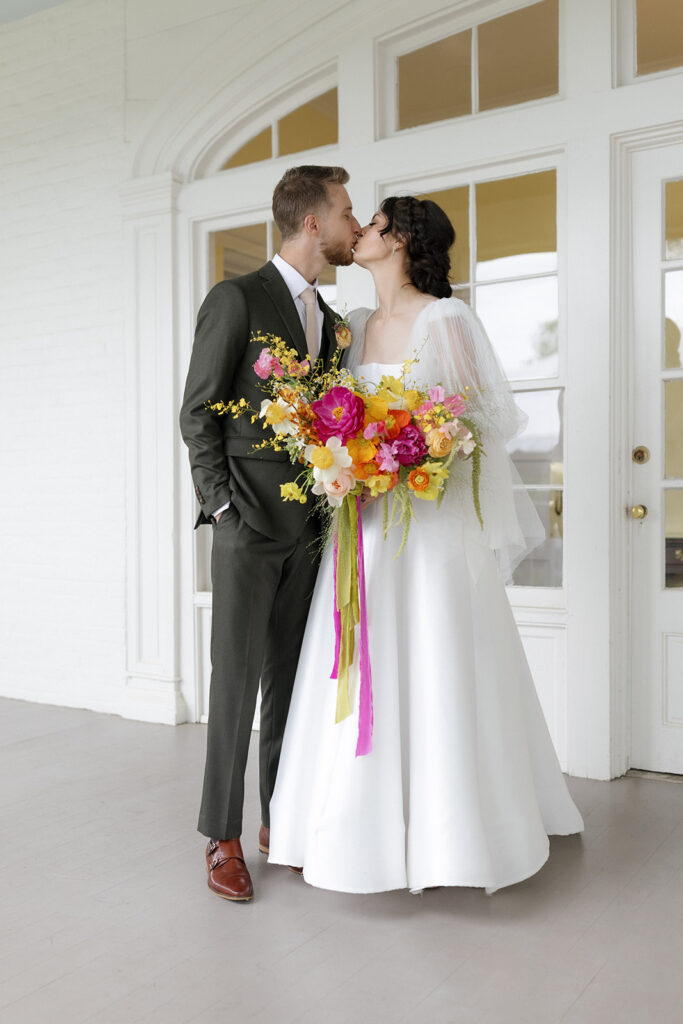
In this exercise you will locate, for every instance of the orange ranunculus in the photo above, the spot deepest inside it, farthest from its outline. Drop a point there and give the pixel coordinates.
(361, 450)
(396, 421)
(418, 480)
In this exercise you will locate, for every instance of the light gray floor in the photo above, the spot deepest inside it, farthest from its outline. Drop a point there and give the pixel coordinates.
(106, 918)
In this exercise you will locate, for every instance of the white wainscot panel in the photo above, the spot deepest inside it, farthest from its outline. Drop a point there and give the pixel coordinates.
(545, 648)
(672, 669)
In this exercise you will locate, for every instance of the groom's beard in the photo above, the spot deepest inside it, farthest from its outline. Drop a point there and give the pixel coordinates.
(337, 254)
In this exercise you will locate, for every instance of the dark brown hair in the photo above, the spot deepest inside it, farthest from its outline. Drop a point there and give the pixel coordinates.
(300, 191)
(428, 234)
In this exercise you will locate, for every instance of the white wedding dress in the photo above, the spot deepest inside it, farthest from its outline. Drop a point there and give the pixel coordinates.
(463, 785)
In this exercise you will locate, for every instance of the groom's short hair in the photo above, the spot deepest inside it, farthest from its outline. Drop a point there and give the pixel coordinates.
(300, 191)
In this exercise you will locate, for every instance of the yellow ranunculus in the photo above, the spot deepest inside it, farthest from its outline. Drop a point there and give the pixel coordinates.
(439, 443)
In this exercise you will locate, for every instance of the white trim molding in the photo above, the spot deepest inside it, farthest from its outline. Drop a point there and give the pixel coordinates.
(152, 690)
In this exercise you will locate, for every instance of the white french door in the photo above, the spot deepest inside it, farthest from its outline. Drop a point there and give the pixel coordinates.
(655, 505)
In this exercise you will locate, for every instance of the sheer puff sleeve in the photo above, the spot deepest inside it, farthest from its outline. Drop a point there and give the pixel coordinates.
(467, 363)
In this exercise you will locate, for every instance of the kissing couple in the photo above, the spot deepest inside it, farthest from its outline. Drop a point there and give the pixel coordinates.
(463, 786)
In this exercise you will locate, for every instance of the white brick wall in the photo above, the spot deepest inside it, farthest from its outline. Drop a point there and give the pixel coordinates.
(62, 160)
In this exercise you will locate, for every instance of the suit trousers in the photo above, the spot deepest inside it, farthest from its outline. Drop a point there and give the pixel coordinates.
(262, 590)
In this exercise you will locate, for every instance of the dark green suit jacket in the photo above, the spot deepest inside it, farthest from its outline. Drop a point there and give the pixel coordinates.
(224, 465)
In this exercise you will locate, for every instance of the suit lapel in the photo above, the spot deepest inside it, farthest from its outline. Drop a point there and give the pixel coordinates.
(279, 294)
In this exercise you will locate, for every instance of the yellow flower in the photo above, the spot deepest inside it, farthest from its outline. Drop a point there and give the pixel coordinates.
(292, 492)
(413, 399)
(275, 414)
(361, 450)
(377, 408)
(439, 443)
(392, 384)
(381, 483)
(437, 476)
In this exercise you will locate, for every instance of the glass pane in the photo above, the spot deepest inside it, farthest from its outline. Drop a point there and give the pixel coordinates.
(674, 220)
(455, 203)
(239, 251)
(659, 33)
(537, 451)
(673, 519)
(543, 567)
(310, 125)
(434, 82)
(673, 447)
(203, 539)
(258, 148)
(516, 226)
(518, 56)
(463, 294)
(673, 319)
(521, 320)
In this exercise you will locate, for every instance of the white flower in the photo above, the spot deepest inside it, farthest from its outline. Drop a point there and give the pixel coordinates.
(336, 490)
(276, 416)
(327, 460)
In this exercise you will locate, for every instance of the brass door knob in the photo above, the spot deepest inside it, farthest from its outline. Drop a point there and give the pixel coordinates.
(638, 511)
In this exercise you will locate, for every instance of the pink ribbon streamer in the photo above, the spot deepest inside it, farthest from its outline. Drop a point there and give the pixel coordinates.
(337, 613)
(365, 710)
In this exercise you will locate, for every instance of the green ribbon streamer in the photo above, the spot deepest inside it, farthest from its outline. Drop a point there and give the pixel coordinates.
(347, 598)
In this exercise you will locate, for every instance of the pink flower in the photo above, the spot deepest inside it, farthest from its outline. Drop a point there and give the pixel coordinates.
(337, 489)
(373, 430)
(437, 394)
(409, 447)
(299, 369)
(386, 461)
(424, 408)
(267, 365)
(455, 404)
(339, 414)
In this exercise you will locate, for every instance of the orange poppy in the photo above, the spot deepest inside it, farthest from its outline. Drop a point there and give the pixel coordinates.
(396, 421)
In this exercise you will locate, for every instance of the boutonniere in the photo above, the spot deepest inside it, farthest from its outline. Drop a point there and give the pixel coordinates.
(342, 331)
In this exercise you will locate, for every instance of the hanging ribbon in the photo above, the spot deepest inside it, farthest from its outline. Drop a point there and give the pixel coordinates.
(350, 609)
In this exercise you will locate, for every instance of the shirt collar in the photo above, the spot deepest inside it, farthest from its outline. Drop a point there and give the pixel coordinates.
(292, 278)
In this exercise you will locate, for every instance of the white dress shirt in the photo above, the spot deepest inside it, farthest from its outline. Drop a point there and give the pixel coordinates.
(295, 283)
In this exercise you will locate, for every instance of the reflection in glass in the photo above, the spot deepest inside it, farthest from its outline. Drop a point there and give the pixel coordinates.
(673, 231)
(659, 33)
(239, 251)
(673, 521)
(518, 56)
(673, 444)
(516, 226)
(258, 148)
(521, 319)
(543, 567)
(434, 82)
(673, 319)
(313, 124)
(537, 451)
(455, 203)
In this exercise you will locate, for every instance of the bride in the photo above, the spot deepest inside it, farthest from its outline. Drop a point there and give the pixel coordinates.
(462, 786)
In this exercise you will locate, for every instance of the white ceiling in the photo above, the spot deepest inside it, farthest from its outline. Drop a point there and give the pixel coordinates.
(12, 10)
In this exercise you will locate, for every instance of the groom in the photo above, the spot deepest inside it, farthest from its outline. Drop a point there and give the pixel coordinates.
(263, 562)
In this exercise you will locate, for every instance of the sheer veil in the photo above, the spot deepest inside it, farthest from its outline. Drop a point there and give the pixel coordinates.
(456, 352)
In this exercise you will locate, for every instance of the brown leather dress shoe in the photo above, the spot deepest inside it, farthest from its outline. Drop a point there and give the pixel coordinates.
(228, 874)
(264, 847)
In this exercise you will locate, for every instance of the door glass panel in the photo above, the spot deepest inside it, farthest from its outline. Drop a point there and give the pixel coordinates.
(673, 319)
(673, 520)
(659, 33)
(455, 203)
(434, 82)
(518, 56)
(673, 403)
(537, 451)
(258, 148)
(521, 319)
(516, 226)
(673, 204)
(543, 567)
(239, 251)
(310, 125)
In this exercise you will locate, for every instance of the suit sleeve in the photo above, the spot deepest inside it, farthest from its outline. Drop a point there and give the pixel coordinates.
(220, 341)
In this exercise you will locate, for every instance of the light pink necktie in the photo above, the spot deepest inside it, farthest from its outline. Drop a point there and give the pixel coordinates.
(307, 296)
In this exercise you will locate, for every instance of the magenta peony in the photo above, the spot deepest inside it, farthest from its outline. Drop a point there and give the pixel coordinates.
(339, 414)
(409, 447)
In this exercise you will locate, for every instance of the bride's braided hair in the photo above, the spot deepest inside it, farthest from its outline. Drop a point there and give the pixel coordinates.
(428, 234)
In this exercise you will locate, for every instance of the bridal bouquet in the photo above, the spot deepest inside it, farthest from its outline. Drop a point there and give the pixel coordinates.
(353, 439)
